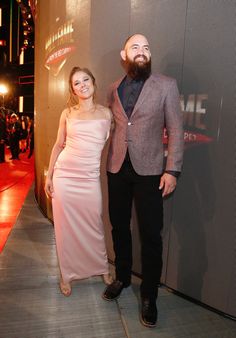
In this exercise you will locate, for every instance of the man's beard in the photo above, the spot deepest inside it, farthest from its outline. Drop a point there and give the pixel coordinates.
(137, 70)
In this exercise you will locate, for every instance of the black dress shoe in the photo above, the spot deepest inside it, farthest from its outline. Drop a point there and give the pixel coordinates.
(148, 316)
(113, 290)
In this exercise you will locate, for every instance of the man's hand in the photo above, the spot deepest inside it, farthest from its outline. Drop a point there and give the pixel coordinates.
(167, 184)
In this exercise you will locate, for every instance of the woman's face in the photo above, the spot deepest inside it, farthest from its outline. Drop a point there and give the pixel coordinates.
(82, 85)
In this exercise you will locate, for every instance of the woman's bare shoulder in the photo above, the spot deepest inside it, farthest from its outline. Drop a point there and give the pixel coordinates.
(104, 111)
(66, 112)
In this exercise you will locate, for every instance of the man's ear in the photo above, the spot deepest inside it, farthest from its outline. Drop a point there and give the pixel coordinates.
(123, 55)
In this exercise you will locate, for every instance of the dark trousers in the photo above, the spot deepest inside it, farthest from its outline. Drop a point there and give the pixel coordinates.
(31, 147)
(14, 147)
(2, 152)
(123, 187)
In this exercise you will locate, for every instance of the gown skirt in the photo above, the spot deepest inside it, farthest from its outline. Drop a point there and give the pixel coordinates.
(77, 201)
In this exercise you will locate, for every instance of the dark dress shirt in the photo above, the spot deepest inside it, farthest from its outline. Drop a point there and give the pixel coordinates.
(129, 91)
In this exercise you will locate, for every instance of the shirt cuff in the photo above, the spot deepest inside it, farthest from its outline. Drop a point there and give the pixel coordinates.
(173, 173)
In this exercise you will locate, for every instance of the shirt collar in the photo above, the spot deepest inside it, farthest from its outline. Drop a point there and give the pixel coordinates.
(129, 80)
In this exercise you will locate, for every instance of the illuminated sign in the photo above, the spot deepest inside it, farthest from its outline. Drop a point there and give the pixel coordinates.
(61, 36)
(27, 79)
(58, 46)
(59, 55)
(194, 113)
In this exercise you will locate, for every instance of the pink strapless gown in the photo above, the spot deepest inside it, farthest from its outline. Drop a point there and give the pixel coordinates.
(77, 201)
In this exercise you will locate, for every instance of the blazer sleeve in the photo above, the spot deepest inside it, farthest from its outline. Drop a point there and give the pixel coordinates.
(174, 127)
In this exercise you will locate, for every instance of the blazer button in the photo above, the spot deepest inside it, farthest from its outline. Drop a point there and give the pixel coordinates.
(129, 123)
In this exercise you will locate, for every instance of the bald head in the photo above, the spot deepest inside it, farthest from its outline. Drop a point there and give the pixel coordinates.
(135, 37)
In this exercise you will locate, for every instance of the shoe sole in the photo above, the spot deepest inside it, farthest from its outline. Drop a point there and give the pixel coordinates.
(151, 326)
(110, 299)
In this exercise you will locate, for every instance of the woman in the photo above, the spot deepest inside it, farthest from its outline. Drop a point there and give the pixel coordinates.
(73, 183)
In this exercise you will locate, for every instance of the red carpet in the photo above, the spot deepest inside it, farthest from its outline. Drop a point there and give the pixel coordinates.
(16, 178)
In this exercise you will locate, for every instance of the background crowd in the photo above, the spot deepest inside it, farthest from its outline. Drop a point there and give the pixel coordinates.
(16, 133)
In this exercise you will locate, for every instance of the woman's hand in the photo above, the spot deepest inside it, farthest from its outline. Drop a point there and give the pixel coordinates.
(48, 188)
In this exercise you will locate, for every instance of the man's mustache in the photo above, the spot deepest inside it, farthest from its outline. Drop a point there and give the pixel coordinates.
(141, 56)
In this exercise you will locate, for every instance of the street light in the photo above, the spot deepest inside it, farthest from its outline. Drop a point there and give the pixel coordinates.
(3, 91)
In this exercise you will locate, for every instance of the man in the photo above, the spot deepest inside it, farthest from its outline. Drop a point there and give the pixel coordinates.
(14, 136)
(31, 137)
(3, 136)
(142, 104)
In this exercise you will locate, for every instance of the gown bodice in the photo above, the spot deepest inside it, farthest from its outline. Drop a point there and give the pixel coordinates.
(85, 141)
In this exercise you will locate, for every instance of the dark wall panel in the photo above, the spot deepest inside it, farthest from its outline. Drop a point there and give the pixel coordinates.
(202, 238)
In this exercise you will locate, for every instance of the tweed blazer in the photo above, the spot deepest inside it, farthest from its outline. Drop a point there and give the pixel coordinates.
(157, 107)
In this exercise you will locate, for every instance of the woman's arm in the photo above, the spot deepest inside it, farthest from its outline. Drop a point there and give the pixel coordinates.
(56, 150)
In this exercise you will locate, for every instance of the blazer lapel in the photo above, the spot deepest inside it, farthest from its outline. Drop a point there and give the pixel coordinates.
(117, 98)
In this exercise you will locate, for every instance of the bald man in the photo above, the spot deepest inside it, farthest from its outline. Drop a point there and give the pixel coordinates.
(143, 104)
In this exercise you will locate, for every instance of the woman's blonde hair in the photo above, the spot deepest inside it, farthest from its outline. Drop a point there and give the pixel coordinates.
(73, 99)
